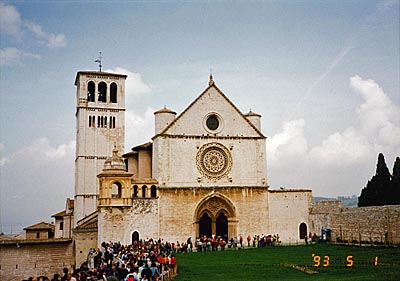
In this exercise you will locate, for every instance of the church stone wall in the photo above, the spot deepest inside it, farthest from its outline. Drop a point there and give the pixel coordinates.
(178, 210)
(288, 209)
(118, 224)
(375, 224)
(176, 166)
(21, 259)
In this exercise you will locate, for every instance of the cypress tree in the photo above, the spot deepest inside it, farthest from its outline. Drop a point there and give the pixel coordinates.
(378, 189)
(395, 183)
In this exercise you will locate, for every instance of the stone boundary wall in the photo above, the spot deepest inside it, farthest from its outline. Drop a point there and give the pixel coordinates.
(375, 224)
(21, 259)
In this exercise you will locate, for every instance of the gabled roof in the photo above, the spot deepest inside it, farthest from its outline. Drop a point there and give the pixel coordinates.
(144, 146)
(59, 214)
(212, 85)
(40, 226)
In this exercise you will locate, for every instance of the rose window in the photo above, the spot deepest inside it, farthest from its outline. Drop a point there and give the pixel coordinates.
(214, 160)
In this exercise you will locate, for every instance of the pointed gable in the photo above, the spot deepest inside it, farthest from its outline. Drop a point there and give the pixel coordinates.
(212, 102)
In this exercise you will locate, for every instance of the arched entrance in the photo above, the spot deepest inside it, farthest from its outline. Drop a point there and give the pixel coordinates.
(222, 225)
(135, 237)
(303, 230)
(215, 215)
(205, 225)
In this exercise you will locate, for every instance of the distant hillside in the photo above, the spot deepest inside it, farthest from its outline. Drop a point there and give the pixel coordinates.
(347, 201)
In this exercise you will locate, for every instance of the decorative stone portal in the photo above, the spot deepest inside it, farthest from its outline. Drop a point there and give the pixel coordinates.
(215, 215)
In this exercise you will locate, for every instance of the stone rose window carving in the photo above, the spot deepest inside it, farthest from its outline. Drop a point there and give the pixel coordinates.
(214, 160)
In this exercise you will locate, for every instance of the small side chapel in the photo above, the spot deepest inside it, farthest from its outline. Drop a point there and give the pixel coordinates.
(204, 172)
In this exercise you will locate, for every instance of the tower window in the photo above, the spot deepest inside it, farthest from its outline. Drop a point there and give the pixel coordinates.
(116, 190)
(113, 93)
(98, 121)
(90, 121)
(102, 92)
(112, 122)
(105, 122)
(61, 225)
(135, 191)
(153, 191)
(144, 191)
(91, 89)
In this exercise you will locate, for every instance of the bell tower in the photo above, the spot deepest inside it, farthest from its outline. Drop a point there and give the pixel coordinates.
(100, 127)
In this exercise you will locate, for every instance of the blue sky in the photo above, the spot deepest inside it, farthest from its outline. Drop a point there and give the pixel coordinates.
(323, 74)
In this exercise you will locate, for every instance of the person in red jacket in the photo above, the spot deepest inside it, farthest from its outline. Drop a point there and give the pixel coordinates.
(172, 264)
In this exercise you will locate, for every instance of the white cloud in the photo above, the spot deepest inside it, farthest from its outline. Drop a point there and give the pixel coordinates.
(139, 129)
(378, 116)
(14, 55)
(10, 21)
(13, 25)
(288, 143)
(37, 169)
(377, 130)
(134, 86)
(47, 39)
(329, 168)
(341, 149)
(42, 149)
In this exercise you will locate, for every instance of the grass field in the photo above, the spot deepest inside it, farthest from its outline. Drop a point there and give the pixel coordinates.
(291, 263)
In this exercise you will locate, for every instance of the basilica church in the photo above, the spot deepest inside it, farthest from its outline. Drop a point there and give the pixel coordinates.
(204, 172)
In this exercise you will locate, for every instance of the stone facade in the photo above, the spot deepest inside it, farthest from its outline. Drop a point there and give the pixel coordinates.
(21, 259)
(204, 173)
(375, 224)
(243, 206)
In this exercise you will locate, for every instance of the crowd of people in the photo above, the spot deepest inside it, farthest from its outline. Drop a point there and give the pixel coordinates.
(144, 260)
(149, 260)
(215, 243)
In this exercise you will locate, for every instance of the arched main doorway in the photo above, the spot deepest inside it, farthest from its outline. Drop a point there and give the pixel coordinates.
(215, 215)
(205, 225)
(222, 225)
(303, 230)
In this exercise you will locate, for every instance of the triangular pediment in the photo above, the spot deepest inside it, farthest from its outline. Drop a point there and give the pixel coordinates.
(212, 102)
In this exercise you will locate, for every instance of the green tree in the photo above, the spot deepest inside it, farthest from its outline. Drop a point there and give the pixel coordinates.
(378, 189)
(395, 183)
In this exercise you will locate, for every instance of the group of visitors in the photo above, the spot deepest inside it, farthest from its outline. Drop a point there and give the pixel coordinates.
(147, 260)
(266, 240)
(144, 260)
(215, 243)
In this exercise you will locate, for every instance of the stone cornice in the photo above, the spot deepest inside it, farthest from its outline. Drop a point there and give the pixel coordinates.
(214, 187)
(208, 136)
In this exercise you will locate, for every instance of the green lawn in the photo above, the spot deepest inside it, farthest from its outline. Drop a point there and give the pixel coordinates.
(291, 263)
